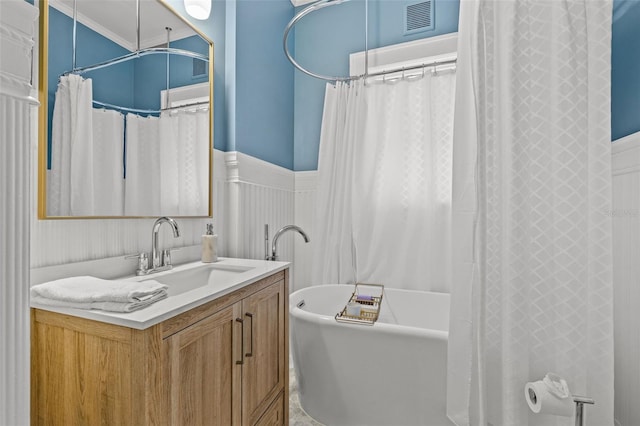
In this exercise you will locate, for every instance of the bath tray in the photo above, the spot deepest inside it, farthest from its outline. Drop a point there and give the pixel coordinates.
(369, 307)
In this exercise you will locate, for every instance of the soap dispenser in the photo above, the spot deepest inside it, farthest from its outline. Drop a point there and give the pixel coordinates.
(209, 245)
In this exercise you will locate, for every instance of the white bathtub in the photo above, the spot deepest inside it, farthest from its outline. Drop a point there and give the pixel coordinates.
(392, 373)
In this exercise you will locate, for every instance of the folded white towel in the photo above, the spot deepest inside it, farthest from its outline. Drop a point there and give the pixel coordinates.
(104, 306)
(94, 293)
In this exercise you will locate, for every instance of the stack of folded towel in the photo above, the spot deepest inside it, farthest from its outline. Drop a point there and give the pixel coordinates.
(94, 293)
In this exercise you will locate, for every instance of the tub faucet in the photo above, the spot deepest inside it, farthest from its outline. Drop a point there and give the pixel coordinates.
(155, 264)
(273, 255)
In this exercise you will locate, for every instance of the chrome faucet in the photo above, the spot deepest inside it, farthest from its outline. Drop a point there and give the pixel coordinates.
(155, 263)
(273, 255)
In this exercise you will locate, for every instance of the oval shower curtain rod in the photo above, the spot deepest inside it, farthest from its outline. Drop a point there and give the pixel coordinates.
(326, 3)
(304, 12)
(137, 54)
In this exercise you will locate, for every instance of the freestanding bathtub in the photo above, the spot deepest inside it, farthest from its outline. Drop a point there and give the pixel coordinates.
(392, 373)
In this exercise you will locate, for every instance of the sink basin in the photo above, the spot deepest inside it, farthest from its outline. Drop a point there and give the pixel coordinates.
(190, 279)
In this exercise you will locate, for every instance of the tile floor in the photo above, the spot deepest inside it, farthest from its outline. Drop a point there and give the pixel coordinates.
(297, 416)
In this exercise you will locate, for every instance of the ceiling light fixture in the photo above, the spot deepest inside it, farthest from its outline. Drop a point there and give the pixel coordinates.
(198, 9)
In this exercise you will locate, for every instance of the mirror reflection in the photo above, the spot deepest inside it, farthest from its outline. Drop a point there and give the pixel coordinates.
(129, 112)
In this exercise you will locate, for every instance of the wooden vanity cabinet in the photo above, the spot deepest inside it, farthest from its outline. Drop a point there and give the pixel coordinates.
(222, 363)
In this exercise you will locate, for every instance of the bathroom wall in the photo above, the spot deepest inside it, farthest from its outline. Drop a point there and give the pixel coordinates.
(63, 241)
(253, 80)
(323, 42)
(264, 82)
(214, 28)
(625, 68)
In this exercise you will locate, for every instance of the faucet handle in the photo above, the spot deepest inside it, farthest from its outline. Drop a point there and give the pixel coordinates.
(166, 256)
(143, 262)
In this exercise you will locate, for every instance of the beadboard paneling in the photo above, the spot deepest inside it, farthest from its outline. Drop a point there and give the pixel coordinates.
(259, 193)
(626, 271)
(305, 206)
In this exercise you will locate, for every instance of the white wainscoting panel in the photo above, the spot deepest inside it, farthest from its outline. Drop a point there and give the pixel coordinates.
(305, 208)
(259, 193)
(17, 111)
(626, 276)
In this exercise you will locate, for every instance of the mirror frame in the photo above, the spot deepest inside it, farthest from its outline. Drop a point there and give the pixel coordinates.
(43, 68)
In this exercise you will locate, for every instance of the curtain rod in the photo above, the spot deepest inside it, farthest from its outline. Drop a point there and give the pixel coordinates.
(148, 111)
(408, 68)
(326, 3)
(139, 53)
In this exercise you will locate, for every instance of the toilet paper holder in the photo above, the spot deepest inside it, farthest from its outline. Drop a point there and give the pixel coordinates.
(580, 401)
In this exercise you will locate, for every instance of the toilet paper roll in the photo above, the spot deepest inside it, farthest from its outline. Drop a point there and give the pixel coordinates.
(541, 401)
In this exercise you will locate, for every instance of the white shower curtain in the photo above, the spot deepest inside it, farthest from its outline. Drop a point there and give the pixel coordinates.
(384, 191)
(532, 284)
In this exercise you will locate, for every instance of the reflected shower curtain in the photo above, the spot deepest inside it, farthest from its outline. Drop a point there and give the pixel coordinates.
(532, 284)
(167, 169)
(384, 191)
(142, 178)
(184, 140)
(108, 167)
(86, 175)
(70, 179)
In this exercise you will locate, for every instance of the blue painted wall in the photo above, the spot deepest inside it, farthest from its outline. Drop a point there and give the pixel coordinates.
(264, 82)
(215, 29)
(265, 109)
(253, 82)
(323, 42)
(625, 68)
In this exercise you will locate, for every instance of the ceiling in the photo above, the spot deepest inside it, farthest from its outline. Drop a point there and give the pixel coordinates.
(116, 20)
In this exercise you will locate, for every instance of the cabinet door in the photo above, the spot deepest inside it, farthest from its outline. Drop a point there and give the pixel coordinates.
(264, 346)
(203, 371)
(274, 415)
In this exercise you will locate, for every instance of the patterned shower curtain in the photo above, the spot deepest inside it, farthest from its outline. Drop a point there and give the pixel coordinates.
(532, 284)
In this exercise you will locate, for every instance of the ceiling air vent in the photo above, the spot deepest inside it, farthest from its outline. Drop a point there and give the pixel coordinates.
(418, 17)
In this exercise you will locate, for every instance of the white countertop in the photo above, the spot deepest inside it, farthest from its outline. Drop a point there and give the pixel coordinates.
(179, 303)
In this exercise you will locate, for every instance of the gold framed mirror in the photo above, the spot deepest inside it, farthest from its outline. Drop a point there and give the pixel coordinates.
(126, 111)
